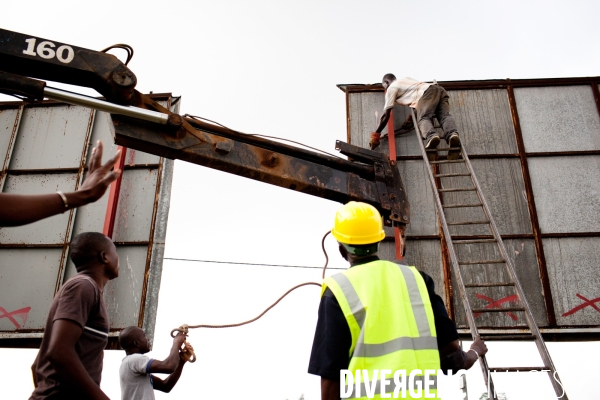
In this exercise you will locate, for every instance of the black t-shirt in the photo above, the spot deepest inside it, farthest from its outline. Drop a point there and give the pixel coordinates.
(331, 346)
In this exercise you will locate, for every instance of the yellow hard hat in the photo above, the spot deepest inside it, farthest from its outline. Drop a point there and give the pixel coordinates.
(358, 223)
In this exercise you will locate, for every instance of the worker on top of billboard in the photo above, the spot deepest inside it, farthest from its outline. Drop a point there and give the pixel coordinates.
(21, 209)
(137, 382)
(429, 100)
(378, 315)
(69, 363)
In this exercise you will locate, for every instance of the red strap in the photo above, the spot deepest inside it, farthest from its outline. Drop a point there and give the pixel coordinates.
(113, 197)
(391, 139)
(392, 144)
(399, 255)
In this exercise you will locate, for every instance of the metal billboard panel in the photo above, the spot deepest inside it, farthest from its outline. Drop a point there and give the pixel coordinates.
(573, 269)
(47, 147)
(559, 185)
(563, 118)
(28, 284)
(420, 198)
(535, 147)
(361, 118)
(38, 147)
(134, 214)
(484, 121)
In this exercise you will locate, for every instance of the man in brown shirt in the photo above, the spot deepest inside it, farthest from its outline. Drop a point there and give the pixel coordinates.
(69, 363)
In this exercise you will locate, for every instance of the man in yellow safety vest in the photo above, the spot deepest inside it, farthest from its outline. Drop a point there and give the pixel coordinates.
(379, 322)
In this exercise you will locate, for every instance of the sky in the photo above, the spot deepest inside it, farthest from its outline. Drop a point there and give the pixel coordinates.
(271, 67)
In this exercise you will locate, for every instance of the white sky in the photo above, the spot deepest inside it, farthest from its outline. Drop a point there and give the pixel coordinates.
(271, 67)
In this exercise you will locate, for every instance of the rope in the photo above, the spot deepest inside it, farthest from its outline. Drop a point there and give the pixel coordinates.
(250, 264)
(325, 252)
(263, 136)
(185, 328)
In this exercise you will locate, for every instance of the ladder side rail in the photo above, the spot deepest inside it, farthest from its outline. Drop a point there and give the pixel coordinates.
(463, 292)
(543, 350)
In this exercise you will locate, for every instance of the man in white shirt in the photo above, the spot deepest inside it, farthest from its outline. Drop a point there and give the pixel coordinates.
(429, 100)
(137, 382)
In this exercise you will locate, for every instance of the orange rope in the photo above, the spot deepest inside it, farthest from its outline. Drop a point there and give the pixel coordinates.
(185, 328)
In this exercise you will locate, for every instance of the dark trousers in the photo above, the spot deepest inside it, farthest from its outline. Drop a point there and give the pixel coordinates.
(434, 103)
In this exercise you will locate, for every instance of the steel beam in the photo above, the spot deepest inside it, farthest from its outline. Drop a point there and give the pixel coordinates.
(318, 175)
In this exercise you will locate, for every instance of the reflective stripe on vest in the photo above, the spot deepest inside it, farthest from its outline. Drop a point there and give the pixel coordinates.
(389, 314)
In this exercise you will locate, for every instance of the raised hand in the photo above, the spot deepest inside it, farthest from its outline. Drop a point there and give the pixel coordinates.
(187, 353)
(99, 176)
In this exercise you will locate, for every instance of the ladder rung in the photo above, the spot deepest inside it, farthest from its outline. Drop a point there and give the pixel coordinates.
(447, 161)
(486, 310)
(462, 205)
(525, 336)
(449, 175)
(518, 369)
(499, 284)
(458, 190)
(442, 149)
(469, 223)
(474, 241)
(481, 262)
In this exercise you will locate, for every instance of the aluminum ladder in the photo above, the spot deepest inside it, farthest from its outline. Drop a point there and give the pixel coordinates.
(513, 281)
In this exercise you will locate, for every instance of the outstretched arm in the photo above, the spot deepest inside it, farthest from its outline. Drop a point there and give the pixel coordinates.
(454, 358)
(385, 117)
(169, 364)
(168, 384)
(19, 209)
(376, 136)
(64, 359)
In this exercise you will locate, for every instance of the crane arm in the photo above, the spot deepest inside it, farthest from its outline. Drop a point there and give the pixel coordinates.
(141, 123)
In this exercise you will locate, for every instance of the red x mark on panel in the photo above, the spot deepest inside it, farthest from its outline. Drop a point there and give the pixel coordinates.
(498, 303)
(588, 303)
(22, 313)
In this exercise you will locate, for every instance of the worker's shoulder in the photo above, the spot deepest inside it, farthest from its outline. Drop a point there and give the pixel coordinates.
(80, 282)
(135, 359)
(405, 81)
(80, 286)
(135, 356)
(134, 364)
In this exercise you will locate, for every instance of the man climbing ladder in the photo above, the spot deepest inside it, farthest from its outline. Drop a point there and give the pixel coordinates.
(429, 100)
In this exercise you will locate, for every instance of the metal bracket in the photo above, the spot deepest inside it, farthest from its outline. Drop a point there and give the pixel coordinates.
(390, 189)
(359, 153)
(382, 190)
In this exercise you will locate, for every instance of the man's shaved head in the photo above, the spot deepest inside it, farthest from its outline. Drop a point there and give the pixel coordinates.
(389, 77)
(128, 335)
(86, 247)
(134, 338)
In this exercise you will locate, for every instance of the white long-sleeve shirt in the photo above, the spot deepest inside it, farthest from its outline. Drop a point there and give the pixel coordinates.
(405, 91)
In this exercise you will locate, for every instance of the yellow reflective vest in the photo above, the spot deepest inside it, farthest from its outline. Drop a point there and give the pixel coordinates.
(391, 321)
